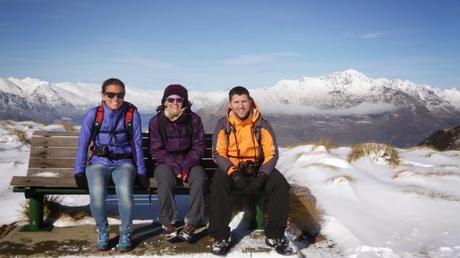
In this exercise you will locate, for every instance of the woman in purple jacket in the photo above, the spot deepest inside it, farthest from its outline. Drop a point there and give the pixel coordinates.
(177, 144)
(117, 156)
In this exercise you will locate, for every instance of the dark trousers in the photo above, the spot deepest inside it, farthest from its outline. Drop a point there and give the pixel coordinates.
(276, 202)
(167, 182)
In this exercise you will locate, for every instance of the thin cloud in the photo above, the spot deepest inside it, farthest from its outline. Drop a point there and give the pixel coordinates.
(258, 59)
(372, 35)
(143, 62)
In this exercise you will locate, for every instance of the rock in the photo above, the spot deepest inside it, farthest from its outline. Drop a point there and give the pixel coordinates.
(447, 139)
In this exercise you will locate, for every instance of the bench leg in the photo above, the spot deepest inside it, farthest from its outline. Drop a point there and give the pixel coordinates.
(36, 206)
(257, 207)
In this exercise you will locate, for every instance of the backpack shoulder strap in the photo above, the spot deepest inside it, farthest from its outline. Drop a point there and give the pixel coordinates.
(99, 117)
(162, 127)
(258, 134)
(129, 119)
(227, 130)
(190, 127)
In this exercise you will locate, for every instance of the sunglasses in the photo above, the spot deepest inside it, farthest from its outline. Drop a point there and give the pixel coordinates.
(111, 95)
(178, 100)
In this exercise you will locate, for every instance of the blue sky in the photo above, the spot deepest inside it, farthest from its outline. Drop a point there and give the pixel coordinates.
(214, 45)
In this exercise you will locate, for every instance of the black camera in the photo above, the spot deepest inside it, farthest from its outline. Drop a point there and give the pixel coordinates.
(102, 151)
(248, 168)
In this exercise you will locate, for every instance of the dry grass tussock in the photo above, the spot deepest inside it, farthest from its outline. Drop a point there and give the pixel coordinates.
(424, 147)
(303, 212)
(326, 143)
(340, 179)
(375, 151)
(404, 173)
(22, 136)
(53, 210)
(6, 229)
(432, 195)
(66, 123)
(321, 165)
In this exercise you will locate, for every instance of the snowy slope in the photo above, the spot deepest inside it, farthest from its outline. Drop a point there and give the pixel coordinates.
(370, 208)
(14, 158)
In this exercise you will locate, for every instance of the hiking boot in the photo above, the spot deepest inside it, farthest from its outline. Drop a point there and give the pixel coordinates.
(170, 231)
(124, 242)
(187, 233)
(281, 245)
(221, 246)
(102, 243)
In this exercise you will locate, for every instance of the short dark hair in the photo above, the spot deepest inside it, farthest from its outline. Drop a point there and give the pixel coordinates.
(238, 90)
(112, 81)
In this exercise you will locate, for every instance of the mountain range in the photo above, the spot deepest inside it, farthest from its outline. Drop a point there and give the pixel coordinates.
(345, 107)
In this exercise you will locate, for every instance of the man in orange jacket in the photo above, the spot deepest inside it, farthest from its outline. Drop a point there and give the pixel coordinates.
(246, 152)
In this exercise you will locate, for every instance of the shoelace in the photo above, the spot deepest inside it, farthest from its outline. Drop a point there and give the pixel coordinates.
(280, 242)
(189, 228)
(221, 243)
(103, 238)
(125, 238)
(169, 229)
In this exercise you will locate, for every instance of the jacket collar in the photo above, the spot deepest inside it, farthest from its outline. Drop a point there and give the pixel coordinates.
(108, 110)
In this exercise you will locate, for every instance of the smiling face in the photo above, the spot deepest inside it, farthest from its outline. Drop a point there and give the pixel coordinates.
(174, 103)
(240, 105)
(113, 96)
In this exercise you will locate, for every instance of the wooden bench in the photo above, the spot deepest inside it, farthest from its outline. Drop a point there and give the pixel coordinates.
(51, 170)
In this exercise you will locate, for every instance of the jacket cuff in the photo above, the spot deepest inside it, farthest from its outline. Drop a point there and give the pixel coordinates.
(79, 173)
(230, 170)
(265, 171)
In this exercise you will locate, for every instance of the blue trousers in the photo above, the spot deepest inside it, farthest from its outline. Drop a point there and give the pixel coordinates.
(123, 176)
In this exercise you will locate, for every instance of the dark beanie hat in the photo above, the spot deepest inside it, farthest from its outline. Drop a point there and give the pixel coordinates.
(175, 89)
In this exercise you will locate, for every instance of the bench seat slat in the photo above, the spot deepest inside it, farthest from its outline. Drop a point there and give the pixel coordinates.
(40, 162)
(68, 172)
(39, 181)
(61, 172)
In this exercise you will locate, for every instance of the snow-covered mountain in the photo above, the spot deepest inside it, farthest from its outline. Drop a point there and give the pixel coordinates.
(345, 106)
(342, 93)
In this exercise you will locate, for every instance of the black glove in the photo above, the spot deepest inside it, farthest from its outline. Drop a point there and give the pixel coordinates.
(80, 180)
(256, 183)
(238, 180)
(144, 181)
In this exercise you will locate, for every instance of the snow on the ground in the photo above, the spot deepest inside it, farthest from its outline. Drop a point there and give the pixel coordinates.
(14, 158)
(370, 208)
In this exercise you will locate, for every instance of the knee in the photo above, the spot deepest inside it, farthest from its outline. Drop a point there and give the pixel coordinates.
(278, 181)
(197, 176)
(97, 197)
(220, 179)
(97, 188)
(124, 188)
(125, 199)
(164, 174)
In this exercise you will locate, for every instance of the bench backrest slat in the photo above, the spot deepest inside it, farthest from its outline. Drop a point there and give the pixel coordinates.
(54, 152)
(59, 152)
(71, 141)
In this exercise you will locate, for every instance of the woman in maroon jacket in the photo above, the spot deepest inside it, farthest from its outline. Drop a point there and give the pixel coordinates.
(177, 145)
